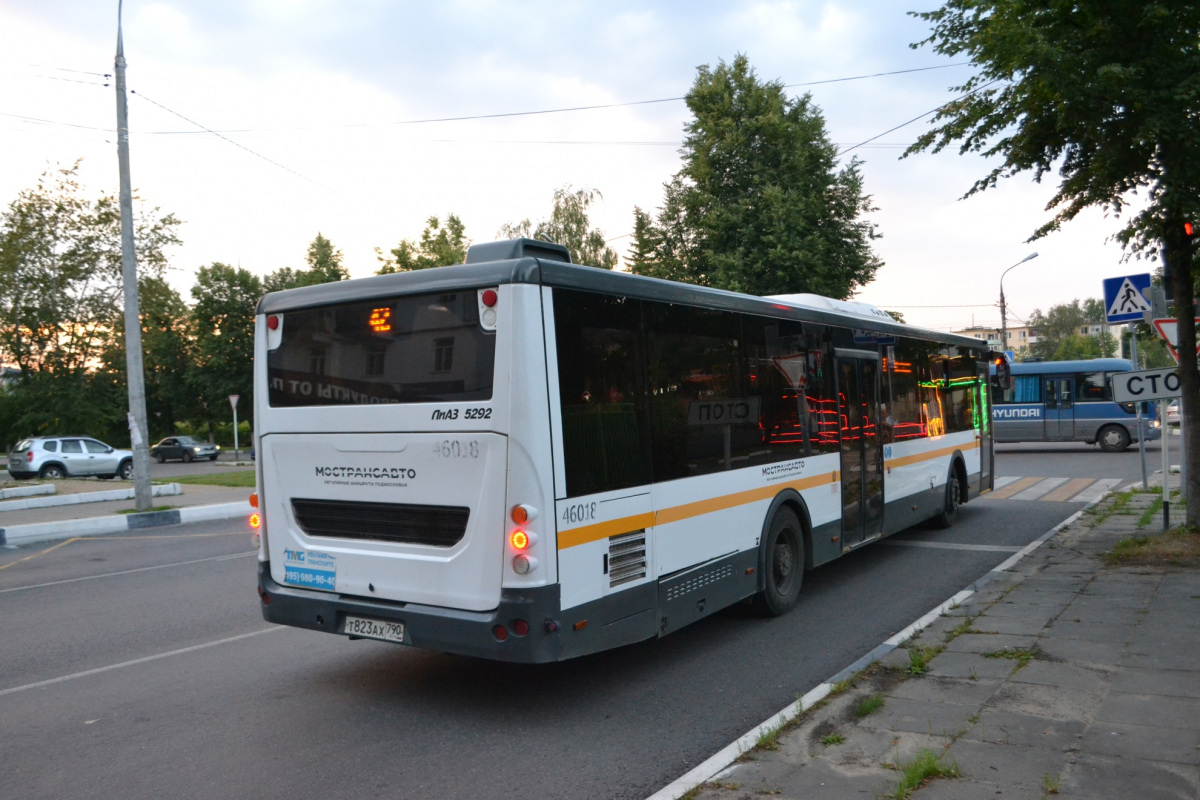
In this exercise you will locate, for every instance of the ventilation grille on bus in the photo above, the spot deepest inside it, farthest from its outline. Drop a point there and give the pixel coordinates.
(626, 558)
(438, 526)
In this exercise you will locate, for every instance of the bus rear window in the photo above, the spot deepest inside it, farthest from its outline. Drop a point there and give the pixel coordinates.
(416, 349)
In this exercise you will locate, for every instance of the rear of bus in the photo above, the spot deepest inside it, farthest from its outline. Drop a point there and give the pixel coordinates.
(404, 481)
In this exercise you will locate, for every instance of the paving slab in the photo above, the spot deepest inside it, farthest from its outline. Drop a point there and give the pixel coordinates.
(1113, 778)
(1149, 709)
(1011, 766)
(1151, 742)
(1027, 730)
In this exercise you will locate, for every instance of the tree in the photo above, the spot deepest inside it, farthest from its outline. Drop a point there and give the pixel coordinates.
(1059, 332)
(442, 244)
(759, 205)
(568, 225)
(1106, 94)
(61, 303)
(223, 328)
(324, 266)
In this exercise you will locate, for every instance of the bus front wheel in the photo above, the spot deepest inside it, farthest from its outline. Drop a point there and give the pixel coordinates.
(782, 565)
(1113, 439)
(953, 500)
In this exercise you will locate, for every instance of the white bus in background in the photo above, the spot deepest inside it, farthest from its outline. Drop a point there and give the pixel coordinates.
(527, 460)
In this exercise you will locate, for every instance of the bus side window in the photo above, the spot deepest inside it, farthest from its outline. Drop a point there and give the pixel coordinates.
(1092, 387)
(1024, 389)
(1051, 393)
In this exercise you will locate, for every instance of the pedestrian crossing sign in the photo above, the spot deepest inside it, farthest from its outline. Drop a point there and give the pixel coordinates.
(1125, 298)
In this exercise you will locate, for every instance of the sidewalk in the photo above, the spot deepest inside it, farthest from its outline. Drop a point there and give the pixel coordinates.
(1061, 677)
(198, 502)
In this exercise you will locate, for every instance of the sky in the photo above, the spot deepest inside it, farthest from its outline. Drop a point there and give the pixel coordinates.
(260, 123)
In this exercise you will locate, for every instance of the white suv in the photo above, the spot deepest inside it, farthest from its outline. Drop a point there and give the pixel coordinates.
(53, 457)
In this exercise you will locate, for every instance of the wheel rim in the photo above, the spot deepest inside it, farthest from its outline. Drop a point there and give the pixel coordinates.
(1112, 437)
(783, 562)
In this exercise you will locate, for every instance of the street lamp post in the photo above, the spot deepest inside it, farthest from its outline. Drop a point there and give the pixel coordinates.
(1003, 309)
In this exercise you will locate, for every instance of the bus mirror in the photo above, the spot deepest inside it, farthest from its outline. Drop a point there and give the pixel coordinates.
(1003, 374)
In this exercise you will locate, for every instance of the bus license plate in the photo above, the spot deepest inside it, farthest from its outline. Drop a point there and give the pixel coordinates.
(374, 629)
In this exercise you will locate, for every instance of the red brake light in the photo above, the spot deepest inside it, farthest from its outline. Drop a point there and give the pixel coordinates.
(29, 455)
(272, 322)
(519, 539)
(489, 297)
(520, 627)
(255, 521)
(500, 632)
(1189, 228)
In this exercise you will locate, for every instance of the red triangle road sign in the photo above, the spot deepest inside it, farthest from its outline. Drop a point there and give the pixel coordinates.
(1168, 329)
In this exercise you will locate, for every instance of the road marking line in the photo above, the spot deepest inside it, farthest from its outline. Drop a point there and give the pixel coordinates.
(1096, 490)
(1014, 487)
(1040, 489)
(1005, 481)
(1068, 490)
(136, 661)
(983, 548)
(39, 553)
(130, 571)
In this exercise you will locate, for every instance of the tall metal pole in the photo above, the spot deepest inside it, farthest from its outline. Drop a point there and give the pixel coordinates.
(1003, 309)
(133, 321)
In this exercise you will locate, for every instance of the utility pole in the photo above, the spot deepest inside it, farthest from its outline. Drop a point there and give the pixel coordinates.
(133, 320)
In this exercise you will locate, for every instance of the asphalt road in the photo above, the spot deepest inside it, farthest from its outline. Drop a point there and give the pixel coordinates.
(140, 665)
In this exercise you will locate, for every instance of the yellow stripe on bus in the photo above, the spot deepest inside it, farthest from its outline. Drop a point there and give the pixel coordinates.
(917, 458)
(614, 527)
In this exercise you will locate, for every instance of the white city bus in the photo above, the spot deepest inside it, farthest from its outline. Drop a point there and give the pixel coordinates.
(523, 459)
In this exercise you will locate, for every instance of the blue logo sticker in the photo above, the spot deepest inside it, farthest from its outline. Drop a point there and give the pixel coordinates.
(310, 569)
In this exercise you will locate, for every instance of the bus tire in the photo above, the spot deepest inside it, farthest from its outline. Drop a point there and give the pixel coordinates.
(1113, 438)
(782, 564)
(953, 500)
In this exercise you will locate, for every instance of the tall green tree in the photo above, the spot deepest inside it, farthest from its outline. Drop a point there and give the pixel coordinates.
(760, 205)
(324, 266)
(568, 225)
(61, 302)
(167, 348)
(442, 244)
(1060, 336)
(223, 330)
(1104, 93)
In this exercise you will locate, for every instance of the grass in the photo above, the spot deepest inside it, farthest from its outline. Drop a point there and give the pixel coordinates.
(1018, 654)
(1150, 513)
(919, 657)
(868, 705)
(832, 739)
(243, 478)
(1050, 783)
(925, 766)
(149, 510)
(1178, 547)
(769, 739)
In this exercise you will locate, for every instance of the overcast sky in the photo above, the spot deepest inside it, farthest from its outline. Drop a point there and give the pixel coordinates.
(321, 109)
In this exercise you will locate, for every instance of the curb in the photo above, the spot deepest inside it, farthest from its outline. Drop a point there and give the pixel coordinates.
(54, 500)
(725, 758)
(117, 523)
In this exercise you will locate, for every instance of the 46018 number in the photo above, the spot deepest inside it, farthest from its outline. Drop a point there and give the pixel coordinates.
(579, 512)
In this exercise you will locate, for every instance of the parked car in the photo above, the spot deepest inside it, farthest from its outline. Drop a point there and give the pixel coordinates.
(185, 448)
(54, 457)
(1173, 413)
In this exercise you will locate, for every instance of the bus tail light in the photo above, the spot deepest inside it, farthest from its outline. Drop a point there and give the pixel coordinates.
(523, 564)
(520, 627)
(522, 513)
(255, 521)
(522, 540)
(254, 499)
(500, 632)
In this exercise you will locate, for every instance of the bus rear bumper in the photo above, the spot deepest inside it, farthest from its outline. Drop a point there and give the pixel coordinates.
(467, 633)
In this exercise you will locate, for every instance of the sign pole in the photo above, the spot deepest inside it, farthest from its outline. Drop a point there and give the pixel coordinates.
(1138, 406)
(1166, 469)
(233, 401)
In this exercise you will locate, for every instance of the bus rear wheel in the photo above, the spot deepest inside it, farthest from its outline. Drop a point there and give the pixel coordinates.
(782, 565)
(1113, 438)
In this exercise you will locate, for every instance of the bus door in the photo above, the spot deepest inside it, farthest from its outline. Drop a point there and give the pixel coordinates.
(861, 449)
(983, 424)
(1060, 409)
